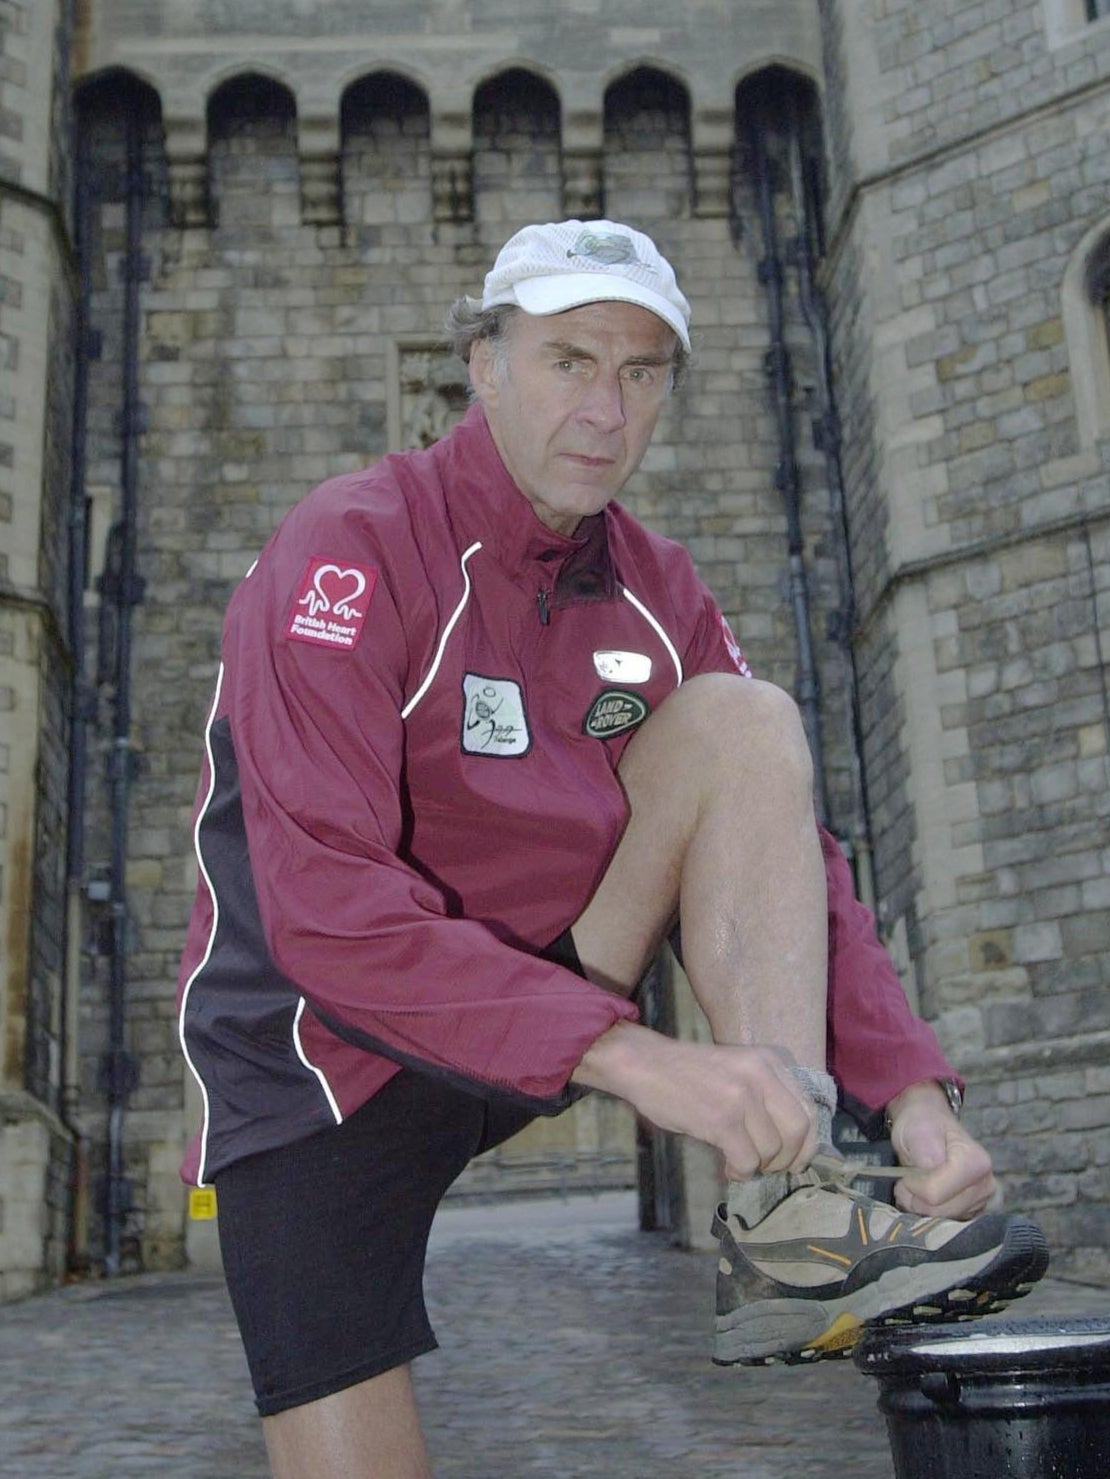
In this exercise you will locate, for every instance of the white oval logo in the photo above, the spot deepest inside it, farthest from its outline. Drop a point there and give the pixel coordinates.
(622, 667)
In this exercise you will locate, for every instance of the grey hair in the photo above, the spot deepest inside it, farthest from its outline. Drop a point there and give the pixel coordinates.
(467, 322)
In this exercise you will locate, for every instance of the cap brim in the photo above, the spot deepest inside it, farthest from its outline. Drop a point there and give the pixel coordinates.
(558, 293)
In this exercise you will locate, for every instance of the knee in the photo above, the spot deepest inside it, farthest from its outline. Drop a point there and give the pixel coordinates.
(747, 721)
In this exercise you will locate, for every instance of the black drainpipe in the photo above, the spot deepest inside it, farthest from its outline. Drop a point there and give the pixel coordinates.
(827, 439)
(787, 475)
(123, 586)
(82, 711)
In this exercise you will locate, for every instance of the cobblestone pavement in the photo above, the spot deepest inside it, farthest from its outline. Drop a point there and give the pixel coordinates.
(573, 1345)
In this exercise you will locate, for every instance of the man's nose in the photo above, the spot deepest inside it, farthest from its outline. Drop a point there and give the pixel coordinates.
(602, 404)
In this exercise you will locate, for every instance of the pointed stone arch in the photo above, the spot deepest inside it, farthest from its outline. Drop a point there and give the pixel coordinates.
(782, 99)
(108, 82)
(385, 144)
(105, 105)
(517, 151)
(103, 101)
(648, 169)
(253, 166)
(1085, 308)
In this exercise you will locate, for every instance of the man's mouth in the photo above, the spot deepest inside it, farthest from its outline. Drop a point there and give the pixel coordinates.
(584, 460)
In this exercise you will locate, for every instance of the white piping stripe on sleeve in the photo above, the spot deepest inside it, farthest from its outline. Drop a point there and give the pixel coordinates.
(215, 924)
(319, 1072)
(660, 633)
(447, 630)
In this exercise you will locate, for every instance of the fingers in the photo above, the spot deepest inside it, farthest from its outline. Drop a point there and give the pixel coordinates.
(797, 1113)
(949, 1173)
(742, 1100)
(927, 1194)
(960, 1187)
(756, 1144)
(773, 1125)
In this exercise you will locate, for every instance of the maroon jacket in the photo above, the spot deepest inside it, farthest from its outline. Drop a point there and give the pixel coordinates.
(409, 789)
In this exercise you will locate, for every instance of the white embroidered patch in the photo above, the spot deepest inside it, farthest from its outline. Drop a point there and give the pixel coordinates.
(622, 667)
(494, 722)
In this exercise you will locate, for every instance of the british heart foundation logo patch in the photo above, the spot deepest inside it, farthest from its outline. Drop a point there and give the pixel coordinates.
(332, 602)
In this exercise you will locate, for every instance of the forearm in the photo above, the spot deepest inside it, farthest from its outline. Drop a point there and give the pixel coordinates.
(620, 1061)
(741, 1100)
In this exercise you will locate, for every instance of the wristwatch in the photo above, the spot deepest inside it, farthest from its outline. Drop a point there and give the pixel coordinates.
(954, 1094)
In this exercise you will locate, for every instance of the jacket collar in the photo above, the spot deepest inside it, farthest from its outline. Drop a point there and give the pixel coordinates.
(486, 505)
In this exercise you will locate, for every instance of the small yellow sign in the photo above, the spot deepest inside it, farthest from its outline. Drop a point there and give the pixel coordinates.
(202, 1203)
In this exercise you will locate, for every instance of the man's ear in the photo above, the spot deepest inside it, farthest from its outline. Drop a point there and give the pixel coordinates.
(484, 378)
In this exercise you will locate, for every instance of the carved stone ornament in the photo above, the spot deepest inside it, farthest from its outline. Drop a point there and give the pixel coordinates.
(428, 393)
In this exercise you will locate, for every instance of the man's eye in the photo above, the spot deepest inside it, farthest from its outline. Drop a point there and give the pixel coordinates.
(564, 364)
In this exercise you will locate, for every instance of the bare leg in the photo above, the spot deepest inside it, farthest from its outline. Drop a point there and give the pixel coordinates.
(719, 781)
(368, 1431)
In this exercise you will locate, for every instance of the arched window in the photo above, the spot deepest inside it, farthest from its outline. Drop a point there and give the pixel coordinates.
(1085, 304)
(105, 105)
(647, 147)
(386, 129)
(113, 110)
(778, 111)
(517, 175)
(252, 153)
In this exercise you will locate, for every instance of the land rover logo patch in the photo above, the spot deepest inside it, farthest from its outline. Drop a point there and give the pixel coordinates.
(612, 712)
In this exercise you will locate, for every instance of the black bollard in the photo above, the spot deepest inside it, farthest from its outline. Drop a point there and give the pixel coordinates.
(1005, 1399)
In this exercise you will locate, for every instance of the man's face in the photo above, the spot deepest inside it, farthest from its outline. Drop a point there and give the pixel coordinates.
(572, 400)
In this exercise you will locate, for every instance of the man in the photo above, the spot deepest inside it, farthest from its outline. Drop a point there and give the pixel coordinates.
(478, 741)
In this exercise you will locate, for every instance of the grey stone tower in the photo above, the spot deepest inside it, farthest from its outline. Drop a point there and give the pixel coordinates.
(969, 246)
(38, 287)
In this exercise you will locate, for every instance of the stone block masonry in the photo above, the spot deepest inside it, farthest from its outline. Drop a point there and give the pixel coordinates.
(304, 235)
(979, 171)
(276, 352)
(36, 312)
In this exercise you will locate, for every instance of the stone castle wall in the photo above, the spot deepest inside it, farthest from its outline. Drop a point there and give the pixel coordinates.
(321, 188)
(976, 183)
(292, 329)
(36, 311)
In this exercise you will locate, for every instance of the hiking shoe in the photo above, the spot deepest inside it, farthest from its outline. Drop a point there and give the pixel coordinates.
(827, 1261)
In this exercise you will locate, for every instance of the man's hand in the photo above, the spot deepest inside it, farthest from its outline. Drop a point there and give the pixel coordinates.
(951, 1175)
(742, 1100)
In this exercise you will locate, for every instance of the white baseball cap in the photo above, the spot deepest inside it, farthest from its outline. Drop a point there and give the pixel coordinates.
(564, 264)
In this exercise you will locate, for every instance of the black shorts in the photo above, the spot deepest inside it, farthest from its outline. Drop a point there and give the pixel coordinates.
(323, 1240)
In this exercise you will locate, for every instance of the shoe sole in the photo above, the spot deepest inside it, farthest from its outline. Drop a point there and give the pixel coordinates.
(796, 1332)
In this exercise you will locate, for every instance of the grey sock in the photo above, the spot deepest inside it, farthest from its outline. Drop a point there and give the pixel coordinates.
(752, 1200)
(821, 1088)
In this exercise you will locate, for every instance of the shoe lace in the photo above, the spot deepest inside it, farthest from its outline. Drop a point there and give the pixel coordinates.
(833, 1171)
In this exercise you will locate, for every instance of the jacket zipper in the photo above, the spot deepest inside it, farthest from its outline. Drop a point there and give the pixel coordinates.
(544, 610)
